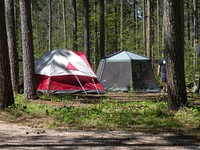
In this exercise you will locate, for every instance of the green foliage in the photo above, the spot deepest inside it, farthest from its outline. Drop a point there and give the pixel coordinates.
(190, 69)
(190, 117)
(133, 37)
(110, 115)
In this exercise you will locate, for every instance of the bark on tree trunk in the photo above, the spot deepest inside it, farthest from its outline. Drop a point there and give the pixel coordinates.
(6, 93)
(50, 25)
(173, 22)
(149, 28)
(144, 23)
(11, 34)
(96, 43)
(158, 25)
(121, 25)
(135, 23)
(102, 30)
(64, 24)
(28, 54)
(86, 29)
(74, 25)
(188, 20)
(116, 26)
(194, 29)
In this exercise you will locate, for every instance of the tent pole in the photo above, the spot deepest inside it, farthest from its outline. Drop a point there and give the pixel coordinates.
(79, 81)
(131, 77)
(80, 84)
(95, 86)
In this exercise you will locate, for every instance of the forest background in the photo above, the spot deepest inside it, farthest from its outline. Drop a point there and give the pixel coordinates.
(126, 28)
(124, 25)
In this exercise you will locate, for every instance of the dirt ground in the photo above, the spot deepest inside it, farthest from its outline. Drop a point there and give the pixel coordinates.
(17, 137)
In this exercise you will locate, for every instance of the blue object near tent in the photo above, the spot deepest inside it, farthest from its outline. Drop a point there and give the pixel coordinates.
(197, 48)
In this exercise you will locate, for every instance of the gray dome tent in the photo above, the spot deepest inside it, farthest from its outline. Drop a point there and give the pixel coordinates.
(125, 71)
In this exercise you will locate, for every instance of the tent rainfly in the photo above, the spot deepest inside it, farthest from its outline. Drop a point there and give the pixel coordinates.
(126, 71)
(64, 71)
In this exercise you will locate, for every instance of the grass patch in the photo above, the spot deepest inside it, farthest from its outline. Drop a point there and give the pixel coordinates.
(106, 114)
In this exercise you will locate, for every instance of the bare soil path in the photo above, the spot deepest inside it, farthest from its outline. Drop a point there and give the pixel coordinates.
(17, 137)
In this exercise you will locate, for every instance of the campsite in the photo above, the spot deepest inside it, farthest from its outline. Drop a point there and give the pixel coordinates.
(97, 74)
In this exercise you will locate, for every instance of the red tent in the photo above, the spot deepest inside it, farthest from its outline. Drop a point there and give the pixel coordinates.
(64, 71)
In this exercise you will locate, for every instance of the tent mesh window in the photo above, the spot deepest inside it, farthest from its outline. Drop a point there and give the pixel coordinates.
(143, 76)
(116, 76)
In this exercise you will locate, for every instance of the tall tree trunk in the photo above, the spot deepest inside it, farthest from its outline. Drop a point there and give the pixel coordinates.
(158, 25)
(194, 27)
(6, 93)
(74, 24)
(11, 34)
(86, 29)
(144, 24)
(173, 22)
(102, 30)
(135, 19)
(198, 19)
(149, 28)
(17, 25)
(28, 54)
(64, 24)
(96, 47)
(188, 19)
(116, 25)
(50, 25)
(121, 24)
